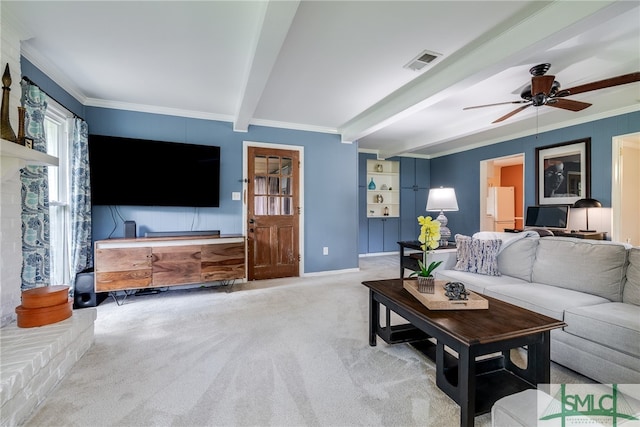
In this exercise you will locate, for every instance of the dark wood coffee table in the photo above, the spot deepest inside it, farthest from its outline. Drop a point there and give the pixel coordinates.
(473, 384)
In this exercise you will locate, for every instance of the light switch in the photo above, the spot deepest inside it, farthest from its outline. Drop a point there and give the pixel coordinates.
(235, 195)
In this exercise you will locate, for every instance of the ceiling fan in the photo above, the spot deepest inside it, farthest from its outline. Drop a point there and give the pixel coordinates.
(545, 90)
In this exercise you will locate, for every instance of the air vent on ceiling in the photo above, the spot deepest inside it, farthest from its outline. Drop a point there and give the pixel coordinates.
(422, 60)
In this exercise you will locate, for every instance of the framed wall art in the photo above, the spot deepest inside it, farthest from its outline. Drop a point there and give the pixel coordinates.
(563, 172)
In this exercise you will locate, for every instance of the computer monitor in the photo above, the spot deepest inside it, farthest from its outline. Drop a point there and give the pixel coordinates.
(548, 216)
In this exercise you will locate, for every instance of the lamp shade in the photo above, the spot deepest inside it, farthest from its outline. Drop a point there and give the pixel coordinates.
(587, 203)
(442, 199)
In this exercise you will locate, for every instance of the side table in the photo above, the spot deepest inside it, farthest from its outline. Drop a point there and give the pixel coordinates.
(409, 260)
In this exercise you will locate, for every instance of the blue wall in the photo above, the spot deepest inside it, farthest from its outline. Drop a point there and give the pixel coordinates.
(462, 170)
(330, 205)
(330, 178)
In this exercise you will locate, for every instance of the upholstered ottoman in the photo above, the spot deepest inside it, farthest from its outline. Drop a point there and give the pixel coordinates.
(520, 409)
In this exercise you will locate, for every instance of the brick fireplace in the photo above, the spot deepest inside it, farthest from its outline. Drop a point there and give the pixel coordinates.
(32, 360)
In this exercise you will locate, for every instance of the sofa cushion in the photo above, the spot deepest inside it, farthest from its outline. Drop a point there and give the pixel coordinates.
(477, 282)
(517, 252)
(591, 266)
(615, 324)
(477, 255)
(517, 259)
(549, 300)
(631, 292)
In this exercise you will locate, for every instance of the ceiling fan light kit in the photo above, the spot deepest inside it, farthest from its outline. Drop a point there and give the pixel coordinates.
(545, 90)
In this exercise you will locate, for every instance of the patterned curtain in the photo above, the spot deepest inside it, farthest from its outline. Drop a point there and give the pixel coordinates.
(35, 195)
(80, 201)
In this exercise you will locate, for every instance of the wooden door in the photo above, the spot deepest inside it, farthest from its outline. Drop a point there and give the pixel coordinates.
(273, 213)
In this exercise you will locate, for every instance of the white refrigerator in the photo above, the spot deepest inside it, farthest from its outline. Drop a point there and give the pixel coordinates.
(501, 207)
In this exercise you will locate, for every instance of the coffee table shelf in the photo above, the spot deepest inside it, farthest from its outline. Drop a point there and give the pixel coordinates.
(493, 381)
(492, 386)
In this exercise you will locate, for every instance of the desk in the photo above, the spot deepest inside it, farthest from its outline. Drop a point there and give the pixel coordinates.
(591, 235)
(409, 261)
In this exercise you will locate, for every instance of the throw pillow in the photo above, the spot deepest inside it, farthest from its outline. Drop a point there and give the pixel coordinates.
(463, 253)
(477, 255)
(486, 256)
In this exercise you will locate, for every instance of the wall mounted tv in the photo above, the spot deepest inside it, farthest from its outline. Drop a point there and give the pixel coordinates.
(136, 172)
(547, 216)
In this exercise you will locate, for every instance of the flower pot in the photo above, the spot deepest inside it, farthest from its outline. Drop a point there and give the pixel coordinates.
(426, 285)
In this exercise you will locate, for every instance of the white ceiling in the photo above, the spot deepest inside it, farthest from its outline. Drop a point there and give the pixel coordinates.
(338, 66)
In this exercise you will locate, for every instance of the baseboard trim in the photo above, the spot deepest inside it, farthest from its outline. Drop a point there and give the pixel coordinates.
(378, 254)
(331, 272)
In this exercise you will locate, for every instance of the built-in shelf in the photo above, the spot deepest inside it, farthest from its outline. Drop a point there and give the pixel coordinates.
(15, 157)
(383, 185)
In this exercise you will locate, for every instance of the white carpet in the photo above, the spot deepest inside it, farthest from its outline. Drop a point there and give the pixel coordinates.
(286, 352)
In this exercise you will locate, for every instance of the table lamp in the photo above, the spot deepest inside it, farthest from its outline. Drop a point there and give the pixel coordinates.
(587, 203)
(442, 199)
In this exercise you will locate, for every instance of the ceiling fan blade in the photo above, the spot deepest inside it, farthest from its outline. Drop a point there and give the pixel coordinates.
(568, 104)
(542, 84)
(601, 84)
(516, 111)
(497, 103)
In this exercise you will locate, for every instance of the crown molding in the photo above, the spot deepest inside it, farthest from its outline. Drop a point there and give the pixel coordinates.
(154, 109)
(51, 71)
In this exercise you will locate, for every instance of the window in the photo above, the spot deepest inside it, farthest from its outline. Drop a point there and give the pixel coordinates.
(56, 129)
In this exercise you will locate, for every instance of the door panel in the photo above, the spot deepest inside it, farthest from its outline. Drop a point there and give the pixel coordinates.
(376, 235)
(273, 213)
(390, 242)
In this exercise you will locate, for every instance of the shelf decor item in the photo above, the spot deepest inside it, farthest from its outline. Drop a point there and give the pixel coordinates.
(372, 185)
(379, 167)
(429, 238)
(21, 113)
(7, 131)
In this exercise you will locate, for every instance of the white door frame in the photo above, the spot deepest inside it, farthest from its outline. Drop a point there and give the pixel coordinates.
(245, 183)
(484, 167)
(617, 143)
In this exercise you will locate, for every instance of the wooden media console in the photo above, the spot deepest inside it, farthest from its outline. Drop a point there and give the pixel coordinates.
(152, 262)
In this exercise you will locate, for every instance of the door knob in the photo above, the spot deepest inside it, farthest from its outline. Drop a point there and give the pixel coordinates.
(252, 221)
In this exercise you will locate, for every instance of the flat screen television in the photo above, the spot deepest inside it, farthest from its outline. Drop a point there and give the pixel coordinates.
(137, 172)
(548, 216)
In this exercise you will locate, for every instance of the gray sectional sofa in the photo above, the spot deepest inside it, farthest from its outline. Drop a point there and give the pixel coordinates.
(593, 286)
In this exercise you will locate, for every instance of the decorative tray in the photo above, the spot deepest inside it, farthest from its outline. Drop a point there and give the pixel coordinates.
(439, 301)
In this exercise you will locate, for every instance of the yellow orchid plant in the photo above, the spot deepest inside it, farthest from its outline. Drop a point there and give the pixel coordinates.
(429, 237)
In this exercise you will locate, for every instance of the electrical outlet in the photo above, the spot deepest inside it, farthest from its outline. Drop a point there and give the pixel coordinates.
(325, 250)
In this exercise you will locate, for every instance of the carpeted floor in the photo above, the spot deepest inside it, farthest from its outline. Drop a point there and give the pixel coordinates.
(285, 352)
